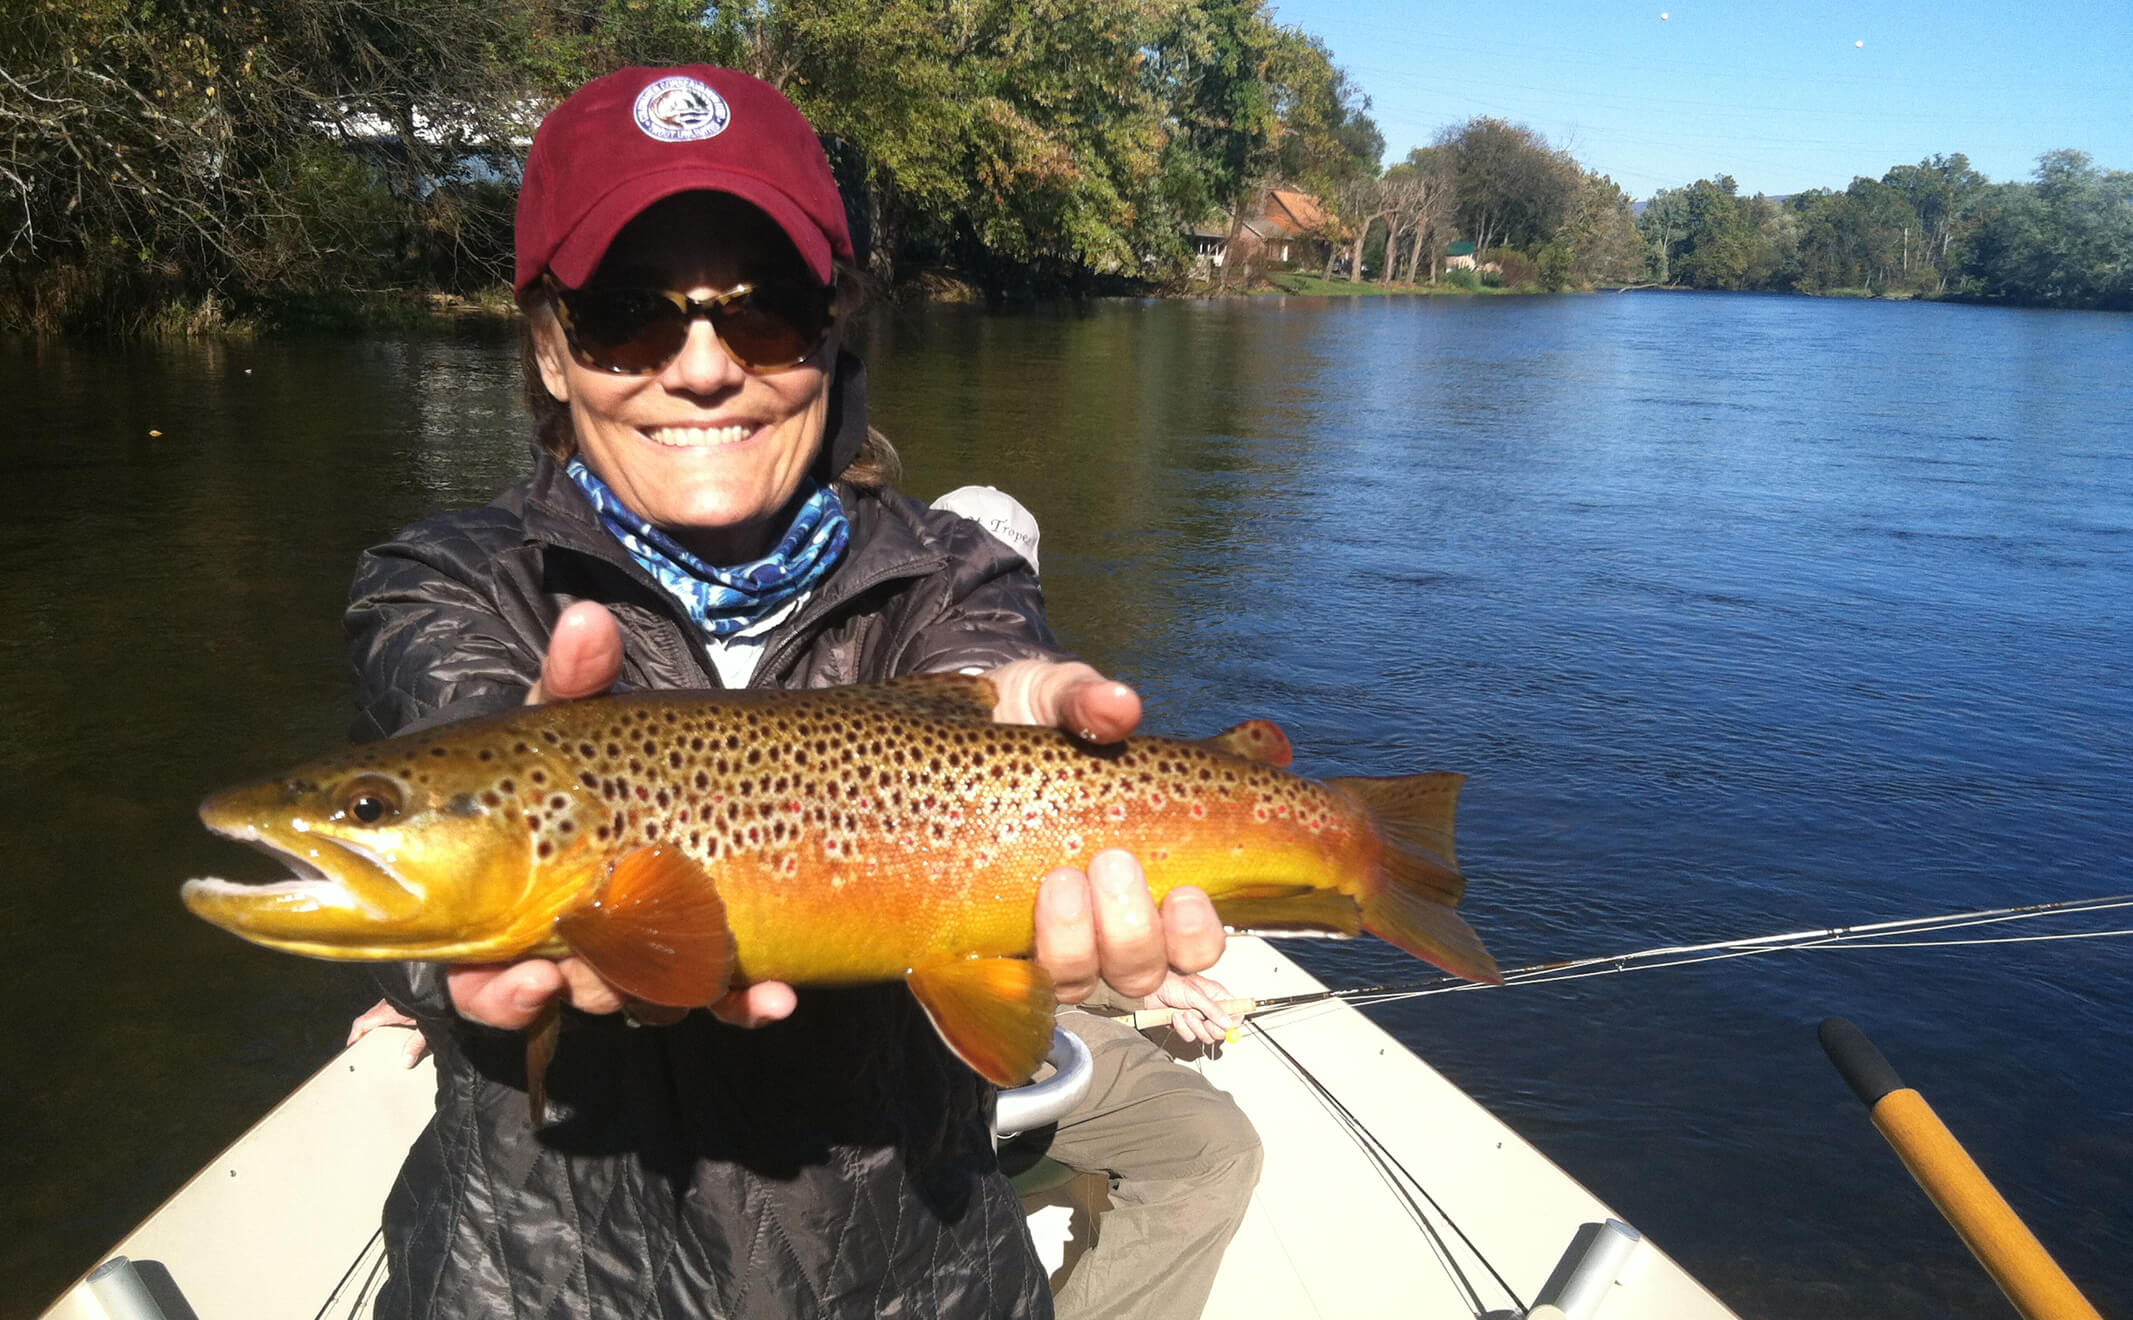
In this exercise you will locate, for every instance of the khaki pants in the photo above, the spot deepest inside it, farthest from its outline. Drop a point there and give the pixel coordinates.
(1183, 1160)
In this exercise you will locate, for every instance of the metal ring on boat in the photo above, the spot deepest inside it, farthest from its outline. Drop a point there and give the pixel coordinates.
(1022, 1108)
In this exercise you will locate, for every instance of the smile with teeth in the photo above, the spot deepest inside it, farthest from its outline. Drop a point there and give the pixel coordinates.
(696, 437)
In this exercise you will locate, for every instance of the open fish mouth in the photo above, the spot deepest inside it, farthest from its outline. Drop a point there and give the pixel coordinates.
(336, 886)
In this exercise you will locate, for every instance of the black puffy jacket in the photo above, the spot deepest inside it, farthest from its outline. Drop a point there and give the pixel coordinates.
(838, 1163)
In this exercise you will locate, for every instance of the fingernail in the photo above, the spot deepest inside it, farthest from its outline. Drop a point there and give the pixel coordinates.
(1067, 901)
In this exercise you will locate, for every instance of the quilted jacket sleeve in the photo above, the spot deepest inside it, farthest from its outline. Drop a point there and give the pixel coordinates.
(986, 611)
(430, 644)
(428, 635)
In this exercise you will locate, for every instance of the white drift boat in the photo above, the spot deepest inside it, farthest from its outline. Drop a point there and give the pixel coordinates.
(1387, 1191)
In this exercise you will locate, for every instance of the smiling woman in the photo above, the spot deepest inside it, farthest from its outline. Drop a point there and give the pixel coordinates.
(657, 397)
(709, 509)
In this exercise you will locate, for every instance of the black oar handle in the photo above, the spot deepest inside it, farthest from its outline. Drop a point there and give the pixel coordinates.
(1858, 1062)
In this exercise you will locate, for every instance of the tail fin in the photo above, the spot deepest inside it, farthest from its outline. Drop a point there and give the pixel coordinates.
(1409, 901)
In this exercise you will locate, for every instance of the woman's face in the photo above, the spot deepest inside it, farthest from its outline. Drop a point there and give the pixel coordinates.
(704, 450)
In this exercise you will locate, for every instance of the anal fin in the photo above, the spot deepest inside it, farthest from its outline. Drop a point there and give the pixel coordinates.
(995, 1013)
(656, 930)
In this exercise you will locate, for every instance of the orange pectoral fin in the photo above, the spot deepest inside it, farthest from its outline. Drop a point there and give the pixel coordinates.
(656, 931)
(995, 1013)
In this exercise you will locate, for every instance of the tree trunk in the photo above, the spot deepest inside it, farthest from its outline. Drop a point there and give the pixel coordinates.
(1229, 247)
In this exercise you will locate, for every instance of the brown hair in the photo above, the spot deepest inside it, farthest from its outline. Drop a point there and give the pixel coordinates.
(877, 463)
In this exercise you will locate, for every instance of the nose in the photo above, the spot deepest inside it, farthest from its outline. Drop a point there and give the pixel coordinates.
(703, 366)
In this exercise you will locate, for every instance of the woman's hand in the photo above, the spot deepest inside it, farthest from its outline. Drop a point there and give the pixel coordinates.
(1103, 924)
(383, 1014)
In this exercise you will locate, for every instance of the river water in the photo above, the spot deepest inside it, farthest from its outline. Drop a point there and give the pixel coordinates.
(1743, 615)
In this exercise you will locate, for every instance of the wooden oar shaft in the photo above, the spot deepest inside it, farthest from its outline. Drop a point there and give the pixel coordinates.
(1987, 1225)
(1952, 1180)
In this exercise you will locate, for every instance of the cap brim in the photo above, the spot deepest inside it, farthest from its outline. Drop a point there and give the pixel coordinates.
(581, 251)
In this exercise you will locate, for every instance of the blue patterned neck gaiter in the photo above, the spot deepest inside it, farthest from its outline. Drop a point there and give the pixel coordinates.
(722, 601)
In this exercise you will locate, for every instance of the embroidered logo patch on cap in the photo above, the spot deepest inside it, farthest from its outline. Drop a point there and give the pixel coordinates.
(681, 109)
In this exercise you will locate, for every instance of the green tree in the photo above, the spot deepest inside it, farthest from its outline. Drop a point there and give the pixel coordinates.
(1665, 226)
(1513, 190)
(1598, 243)
(2064, 241)
(1942, 191)
(1705, 236)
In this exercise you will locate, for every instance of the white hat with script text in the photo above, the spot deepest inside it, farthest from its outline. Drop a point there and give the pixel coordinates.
(997, 512)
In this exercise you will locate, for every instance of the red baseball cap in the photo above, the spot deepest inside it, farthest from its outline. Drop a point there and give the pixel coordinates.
(626, 140)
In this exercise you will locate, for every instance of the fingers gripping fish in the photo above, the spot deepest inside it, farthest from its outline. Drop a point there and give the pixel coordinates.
(685, 844)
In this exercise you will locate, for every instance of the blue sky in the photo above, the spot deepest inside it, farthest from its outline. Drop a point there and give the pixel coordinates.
(1779, 94)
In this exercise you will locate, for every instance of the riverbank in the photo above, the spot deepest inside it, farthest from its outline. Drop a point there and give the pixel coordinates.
(1301, 284)
(375, 311)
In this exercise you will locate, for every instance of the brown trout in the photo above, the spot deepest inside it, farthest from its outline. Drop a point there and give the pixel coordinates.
(687, 843)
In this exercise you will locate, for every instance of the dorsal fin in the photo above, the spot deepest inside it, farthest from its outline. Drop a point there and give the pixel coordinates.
(950, 696)
(1255, 740)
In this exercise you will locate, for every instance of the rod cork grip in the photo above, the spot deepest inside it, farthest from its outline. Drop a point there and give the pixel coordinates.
(1858, 1062)
(1145, 1018)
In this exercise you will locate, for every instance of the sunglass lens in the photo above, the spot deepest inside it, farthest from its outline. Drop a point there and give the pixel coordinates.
(627, 330)
(774, 325)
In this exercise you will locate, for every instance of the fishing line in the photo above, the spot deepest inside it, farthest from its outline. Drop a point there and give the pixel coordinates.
(1405, 1185)
(1876, 935)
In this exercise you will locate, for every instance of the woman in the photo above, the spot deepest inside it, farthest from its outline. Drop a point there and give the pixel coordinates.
(709, 508)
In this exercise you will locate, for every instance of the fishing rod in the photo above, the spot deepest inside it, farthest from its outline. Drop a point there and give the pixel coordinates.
(1880, 934)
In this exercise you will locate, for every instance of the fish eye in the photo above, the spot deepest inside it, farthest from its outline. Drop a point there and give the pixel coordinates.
(370, 799)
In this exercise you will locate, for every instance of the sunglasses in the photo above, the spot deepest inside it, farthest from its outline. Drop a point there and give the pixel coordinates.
(635, 331)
